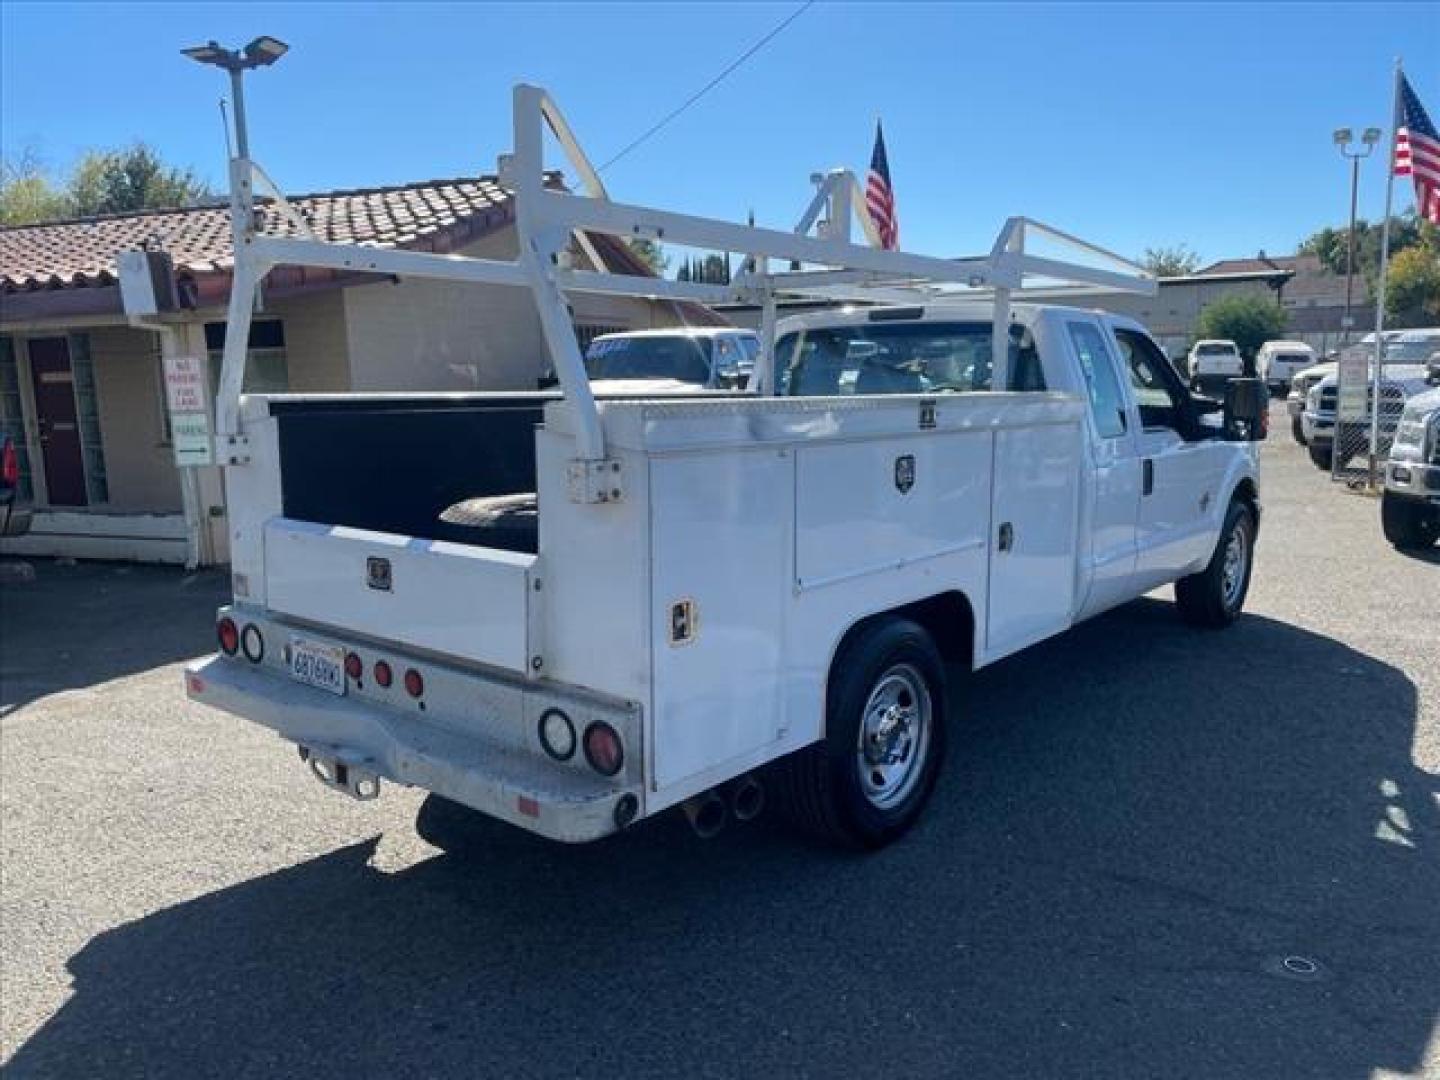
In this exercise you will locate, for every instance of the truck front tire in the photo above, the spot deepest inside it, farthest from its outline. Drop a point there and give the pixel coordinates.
(1321, 455)
(1297, 429)
(1409, 524)
(867, 780)
(1215, 596)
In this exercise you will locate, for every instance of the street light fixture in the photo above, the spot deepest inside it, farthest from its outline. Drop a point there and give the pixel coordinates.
(262, 52)
(1343, 138)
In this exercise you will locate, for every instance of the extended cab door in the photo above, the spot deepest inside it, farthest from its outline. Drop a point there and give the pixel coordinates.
(1108, 553)
(1182, 467)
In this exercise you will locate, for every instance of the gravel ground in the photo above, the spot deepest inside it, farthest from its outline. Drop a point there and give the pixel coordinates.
(1154, 852)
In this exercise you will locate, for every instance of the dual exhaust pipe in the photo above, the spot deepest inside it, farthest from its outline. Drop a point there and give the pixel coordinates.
(708, 812)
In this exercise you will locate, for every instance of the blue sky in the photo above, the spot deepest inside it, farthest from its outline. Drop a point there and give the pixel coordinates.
(1132, 125)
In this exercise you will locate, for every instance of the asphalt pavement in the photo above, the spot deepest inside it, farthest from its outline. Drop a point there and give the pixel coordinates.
(1154, 852)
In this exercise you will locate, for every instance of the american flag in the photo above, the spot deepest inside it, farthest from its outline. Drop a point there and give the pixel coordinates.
(880, 196)
(1417, 152)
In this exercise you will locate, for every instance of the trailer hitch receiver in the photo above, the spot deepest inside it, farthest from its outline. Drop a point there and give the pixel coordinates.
(343, 773)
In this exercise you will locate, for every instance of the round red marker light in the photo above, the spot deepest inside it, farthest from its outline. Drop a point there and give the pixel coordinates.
(383, 675)
(414, 683)
(229, 635)
(353, 666)
(603, 749)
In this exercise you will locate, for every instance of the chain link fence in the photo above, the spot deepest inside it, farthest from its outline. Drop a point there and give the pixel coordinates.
(1361, 441)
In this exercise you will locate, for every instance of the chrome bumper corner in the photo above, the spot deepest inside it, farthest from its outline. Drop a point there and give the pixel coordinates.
(350, 743)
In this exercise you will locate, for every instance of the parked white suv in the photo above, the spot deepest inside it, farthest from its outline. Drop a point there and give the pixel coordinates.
(1214, 359)
(681, 358)
(1278, 362)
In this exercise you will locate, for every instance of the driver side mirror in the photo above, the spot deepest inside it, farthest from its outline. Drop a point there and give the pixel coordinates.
(1247, 410)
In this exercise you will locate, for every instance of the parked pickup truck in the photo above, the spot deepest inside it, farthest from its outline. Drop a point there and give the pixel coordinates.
(773, 581)
(1399, 383)
(1410, 505)
(1213, 360)
(722, 593)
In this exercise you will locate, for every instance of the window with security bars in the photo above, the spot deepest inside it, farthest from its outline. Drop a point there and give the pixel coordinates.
(267, 369)
(12, 415)
(87, 411)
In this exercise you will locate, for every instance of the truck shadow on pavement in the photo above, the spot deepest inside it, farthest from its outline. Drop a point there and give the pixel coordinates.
(113, 619)
(1151, 855)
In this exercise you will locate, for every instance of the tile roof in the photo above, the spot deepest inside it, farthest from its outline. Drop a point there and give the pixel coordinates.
(1312, 283)
(430, 215)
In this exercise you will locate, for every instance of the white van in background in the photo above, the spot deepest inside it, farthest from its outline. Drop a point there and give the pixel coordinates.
(1277, 362)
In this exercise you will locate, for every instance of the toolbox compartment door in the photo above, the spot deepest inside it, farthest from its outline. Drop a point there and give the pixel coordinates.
(468, 602)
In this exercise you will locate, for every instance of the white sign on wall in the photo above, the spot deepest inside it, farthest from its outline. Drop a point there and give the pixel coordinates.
(186, 391)
(185, 383)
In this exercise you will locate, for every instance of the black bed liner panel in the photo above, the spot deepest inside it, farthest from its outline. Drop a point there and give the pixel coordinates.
(395, 465)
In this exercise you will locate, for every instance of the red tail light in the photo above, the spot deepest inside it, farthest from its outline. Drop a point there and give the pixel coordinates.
(9, 465)
(383, 675)
(229, 635)
(603, 750)
(414, 683)
(353, 666)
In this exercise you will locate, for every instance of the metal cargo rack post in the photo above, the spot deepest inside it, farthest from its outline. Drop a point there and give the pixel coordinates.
(546, 220)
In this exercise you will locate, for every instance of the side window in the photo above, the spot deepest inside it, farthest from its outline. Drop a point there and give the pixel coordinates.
(1157, 389)
(727, 355)
(750, 347)
(1106, 401)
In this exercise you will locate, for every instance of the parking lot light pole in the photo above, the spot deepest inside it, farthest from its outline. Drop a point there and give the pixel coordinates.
(1343, 138)
(262, 52)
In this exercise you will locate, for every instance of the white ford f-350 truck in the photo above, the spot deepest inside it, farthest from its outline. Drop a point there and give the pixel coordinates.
(674, 601)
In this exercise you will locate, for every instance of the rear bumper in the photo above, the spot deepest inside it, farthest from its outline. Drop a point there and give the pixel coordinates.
(370, 740)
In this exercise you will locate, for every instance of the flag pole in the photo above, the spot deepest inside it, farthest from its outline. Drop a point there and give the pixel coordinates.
(1378, 370)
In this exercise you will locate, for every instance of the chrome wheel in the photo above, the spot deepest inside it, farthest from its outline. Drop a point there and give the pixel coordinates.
(1235, 566)
(894, 736)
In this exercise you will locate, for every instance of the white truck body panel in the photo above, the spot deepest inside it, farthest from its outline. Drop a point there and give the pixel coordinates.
(696, 563)
(315, 573)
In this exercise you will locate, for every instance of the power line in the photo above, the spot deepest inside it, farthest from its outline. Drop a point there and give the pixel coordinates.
(693, 98)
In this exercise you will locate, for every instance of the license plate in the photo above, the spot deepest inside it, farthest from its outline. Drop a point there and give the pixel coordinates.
(321, 666)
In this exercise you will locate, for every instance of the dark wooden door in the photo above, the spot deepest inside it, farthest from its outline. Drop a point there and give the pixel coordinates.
(55, 415)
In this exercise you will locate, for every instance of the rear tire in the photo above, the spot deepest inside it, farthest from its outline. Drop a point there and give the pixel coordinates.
(865, 783)
(1408, 524)
(1322, 456)
(1214, 597)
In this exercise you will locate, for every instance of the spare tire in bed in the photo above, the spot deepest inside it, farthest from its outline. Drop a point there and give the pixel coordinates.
(509, 522)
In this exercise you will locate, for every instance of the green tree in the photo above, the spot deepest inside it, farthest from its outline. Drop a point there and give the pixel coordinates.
(119, 181)
(1249, 321)
(26, 193)
(1412, 288)
(1332, 244)
(1174, 261)
(651, 253)
(102, 182)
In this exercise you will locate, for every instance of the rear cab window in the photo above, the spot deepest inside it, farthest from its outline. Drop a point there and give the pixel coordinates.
(1107, 402)
(922, 357)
